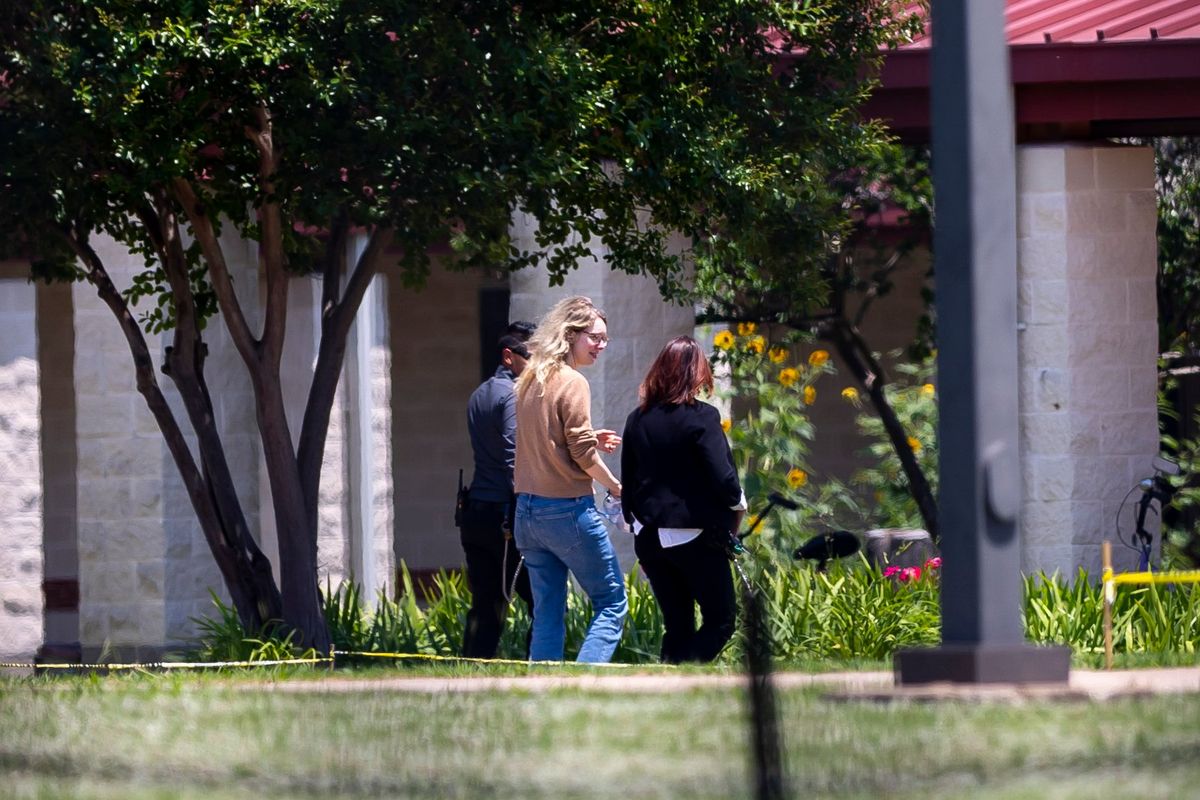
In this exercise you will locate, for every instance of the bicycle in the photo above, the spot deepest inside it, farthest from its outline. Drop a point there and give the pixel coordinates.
(1156, 488)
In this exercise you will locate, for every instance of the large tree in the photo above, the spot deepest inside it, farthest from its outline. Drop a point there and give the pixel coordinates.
(297, 123)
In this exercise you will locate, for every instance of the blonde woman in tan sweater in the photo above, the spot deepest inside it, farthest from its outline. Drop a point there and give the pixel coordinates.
(558, 529)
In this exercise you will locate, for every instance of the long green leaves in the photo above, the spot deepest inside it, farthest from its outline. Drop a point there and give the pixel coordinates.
(1155, 622)
(850, 613)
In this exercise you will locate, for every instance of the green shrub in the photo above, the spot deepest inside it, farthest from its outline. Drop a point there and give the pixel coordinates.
(1147, 620)
(222, 638)
(769, 392)
(852, 612)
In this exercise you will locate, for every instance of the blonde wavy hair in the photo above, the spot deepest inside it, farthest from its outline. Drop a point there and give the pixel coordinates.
(551, 342)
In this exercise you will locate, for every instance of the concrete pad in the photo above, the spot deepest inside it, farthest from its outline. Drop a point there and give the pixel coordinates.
(1081, 685)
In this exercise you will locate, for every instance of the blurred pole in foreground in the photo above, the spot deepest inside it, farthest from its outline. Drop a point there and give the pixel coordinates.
(975, 252)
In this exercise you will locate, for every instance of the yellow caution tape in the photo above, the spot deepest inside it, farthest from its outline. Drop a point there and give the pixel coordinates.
(318, 660)
(173, 664)
(1176, 576)
(468, 659)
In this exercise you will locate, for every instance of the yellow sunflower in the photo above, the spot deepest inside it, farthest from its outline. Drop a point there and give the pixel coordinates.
(797, 478)
(726, 425)
(850, 393)
(777, 354)
(927, 389)
(788, 376)
(756, 344)
(810, 394)
(818, 357)
(915, 444)
(746, 328)
(723, 340)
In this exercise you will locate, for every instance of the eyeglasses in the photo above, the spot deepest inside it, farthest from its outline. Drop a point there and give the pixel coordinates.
(596, 338)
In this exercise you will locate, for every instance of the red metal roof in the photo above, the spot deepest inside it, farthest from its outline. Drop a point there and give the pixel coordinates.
(1081, 69)
(1081, 21)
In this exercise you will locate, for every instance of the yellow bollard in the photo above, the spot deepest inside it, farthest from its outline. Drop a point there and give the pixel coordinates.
(1109, 589)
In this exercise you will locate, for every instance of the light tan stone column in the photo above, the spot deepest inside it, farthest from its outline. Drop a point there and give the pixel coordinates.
(145, 569)
(121, 455)
(1088, 346)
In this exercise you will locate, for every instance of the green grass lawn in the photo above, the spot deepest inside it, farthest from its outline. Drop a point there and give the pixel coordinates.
(204, 736)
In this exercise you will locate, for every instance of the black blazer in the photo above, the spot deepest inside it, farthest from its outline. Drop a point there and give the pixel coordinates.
(677, 469)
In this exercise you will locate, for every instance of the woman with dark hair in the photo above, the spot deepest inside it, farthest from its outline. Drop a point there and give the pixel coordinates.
(680, 485)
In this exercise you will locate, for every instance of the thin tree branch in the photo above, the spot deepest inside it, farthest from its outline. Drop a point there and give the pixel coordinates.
(187, 327)
(858, 358)
(335, 261)
(231, 310)
(270, 238)
(336, 320)
(242, 562)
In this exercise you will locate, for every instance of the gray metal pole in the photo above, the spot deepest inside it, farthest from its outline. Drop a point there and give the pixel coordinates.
(975, 252)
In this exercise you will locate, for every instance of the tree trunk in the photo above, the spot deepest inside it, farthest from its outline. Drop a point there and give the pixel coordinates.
(296, 531)
(184, 363)
(854, 352)
(300, 599)
(337, 315)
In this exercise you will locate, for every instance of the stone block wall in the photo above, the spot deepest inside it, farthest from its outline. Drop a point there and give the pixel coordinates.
(121, 548)
(145, 569)
(21, 559)
(364, 470)
(333, 520)
(1088, 347)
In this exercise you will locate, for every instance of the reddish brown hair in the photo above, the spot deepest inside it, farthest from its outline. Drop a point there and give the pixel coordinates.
(677, 375)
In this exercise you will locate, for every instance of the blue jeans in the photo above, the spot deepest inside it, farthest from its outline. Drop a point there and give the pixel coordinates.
(557, 534)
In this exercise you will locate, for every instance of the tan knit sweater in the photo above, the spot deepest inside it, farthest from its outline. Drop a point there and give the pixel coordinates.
(555, 440)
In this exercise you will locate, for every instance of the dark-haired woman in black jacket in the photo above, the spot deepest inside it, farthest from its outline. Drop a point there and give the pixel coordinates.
(680, 485)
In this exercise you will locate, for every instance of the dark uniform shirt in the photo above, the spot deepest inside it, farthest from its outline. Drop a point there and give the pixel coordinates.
(492, 423)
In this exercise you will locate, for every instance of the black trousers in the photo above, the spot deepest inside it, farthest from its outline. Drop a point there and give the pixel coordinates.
(492, 563)
(682, 577)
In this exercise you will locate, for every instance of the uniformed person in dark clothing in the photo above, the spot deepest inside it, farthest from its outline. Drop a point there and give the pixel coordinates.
(486, 531)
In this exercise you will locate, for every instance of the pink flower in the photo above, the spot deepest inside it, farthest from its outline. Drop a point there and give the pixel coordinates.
(391, 35)
(890, 571)
(910, 574)
(934, 563)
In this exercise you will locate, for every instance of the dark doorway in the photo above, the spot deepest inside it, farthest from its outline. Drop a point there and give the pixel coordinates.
(493, 321)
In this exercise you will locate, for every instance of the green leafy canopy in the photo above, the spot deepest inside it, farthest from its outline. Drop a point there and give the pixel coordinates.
(440, 120)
